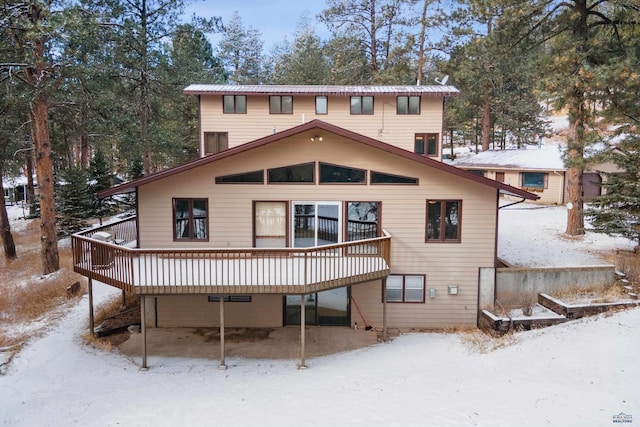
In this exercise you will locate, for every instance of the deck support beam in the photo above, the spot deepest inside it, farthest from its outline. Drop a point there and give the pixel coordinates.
(143, 327)
(91, 318)
(124, 298)
(303, 318)
(222, 365)
(384, 310)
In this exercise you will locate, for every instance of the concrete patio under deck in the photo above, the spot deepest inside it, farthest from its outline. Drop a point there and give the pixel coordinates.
(248, 343)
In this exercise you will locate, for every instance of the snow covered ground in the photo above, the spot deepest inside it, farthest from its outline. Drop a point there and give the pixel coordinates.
(584, 372)
(532, 235)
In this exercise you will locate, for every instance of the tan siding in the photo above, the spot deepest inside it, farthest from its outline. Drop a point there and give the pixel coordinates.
(197, 311)
(553, 194)
(384, 124)
(403, 215)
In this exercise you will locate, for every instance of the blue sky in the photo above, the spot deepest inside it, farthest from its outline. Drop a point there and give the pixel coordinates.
(274, 19)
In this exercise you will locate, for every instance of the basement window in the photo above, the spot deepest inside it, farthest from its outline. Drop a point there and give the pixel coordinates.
(230, 298)
(405, 288)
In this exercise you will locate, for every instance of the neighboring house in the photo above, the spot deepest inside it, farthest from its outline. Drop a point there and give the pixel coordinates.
(300, 226)
(15, 189)
(537, 170)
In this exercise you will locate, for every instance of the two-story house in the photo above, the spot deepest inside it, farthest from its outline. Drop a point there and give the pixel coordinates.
(306, 202)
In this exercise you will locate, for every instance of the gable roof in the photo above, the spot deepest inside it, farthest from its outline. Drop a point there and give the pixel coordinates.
(203, 89)
(543, 158)
(323, 126)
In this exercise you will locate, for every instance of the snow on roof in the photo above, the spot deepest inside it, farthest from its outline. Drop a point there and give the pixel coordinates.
(204, 89)
(543, 158)
(16, 181)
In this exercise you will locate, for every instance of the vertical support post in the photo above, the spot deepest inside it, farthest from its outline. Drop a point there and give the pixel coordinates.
(91, 318)
(124, 298)
(384, 310)
(303, 318)
(222, 361)
(143, 327)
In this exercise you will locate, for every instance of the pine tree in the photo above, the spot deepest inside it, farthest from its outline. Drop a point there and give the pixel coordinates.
(74, 201)
(101, 179)
(617, 212)
(241, 52)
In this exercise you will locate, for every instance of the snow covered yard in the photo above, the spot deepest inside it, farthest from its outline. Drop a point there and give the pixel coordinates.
(532, 235)
(584, 372)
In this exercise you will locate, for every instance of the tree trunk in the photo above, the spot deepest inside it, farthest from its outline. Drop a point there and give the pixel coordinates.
(7, 237)
(31, 187)
(44, 171)
(423, 30)
(144, 93)
(575, 154)
(486, 120)
(578, 116)
(84, 140)
(372, 40)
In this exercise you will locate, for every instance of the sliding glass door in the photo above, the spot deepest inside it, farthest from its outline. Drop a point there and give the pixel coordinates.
(318, 224)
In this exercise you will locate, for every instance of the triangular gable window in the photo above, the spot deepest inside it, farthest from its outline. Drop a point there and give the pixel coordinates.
(300, 174)
(255, 177)
(330, 174)
(385, 178)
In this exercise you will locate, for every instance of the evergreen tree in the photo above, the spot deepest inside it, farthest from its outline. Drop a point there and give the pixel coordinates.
(617, 212)
(581, 37)
(74, 201)
(101, 179)
(241, 52)
(303, 62)
(376, 24)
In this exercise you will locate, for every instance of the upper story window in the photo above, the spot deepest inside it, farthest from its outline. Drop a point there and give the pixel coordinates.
(535, 180)
(426, 144)
(443, 220)
(362, 105)
(190, 219)
(281, 104)
(215, 142)
(408, 104)
(235, 104)
(322, 105)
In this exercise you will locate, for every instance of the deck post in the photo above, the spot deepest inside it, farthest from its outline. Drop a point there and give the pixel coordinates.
(303, 318)
(91, 319)
(384, 310)
(124, 298)
(143, 327)
(222, 365)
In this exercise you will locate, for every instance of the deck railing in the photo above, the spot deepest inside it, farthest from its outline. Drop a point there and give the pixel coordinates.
(248, 270)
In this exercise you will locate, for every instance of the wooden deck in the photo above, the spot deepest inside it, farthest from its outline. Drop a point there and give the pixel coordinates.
(225, 271)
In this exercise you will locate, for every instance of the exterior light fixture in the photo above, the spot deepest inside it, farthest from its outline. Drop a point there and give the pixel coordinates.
(453, 290)
(432, 293)
(316, 138)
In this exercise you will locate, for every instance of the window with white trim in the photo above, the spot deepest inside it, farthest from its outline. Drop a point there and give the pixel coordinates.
(405, 288)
